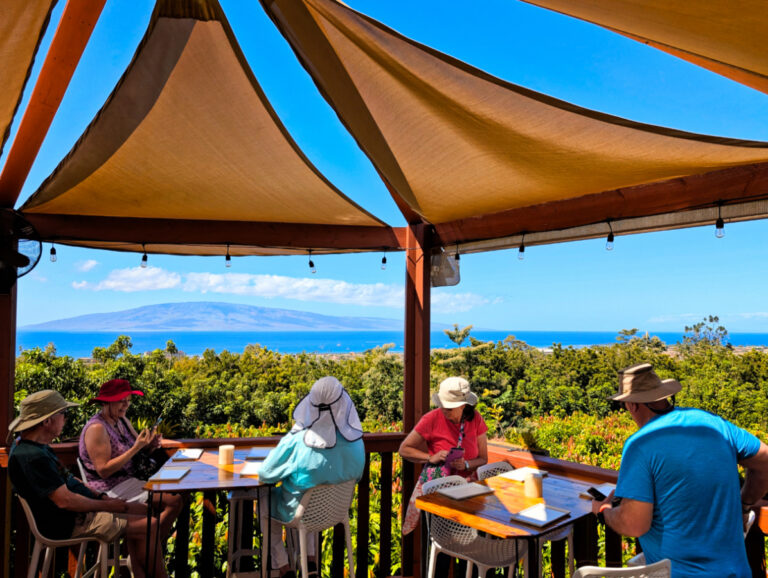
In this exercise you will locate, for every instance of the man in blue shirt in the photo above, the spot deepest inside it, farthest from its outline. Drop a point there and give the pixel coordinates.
(679, 482)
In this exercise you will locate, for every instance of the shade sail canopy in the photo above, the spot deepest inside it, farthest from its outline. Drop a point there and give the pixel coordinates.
(724, 36)
(22, 24)
(481, 158)
(188, 139)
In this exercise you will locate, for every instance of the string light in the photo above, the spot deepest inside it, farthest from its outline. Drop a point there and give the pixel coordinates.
(457, 257)
(312, 268)
(609, 239)
(384, 261)
(521, 250)
(228, 259)
(144, 257)
(53, 254)
(719, 224)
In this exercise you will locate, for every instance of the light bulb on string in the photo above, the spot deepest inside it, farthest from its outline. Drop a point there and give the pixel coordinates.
(384, 262)
(457, 257)
(609, 239)
(228, 259)
(719, 224)
(521, 250)
(53, 254)
(144, 258)
(312, 268)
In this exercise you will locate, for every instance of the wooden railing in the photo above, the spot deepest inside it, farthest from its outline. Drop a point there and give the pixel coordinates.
(384, 445)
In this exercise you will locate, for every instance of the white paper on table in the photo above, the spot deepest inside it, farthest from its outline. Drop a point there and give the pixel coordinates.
(169, 474)
(251, 469)
(540, 515)
(465, 491)
(187, 454)
(519, 474)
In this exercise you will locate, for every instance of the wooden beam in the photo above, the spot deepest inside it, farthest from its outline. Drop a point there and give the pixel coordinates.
(64, 228)
(74, 30)
(736, 184)
(7, 374)
(416, 366)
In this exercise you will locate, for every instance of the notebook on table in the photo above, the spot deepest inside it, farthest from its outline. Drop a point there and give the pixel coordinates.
(540, 515)
(251, 469)
(464, 491)
(258, 453)
(169, 474)
(187, 454)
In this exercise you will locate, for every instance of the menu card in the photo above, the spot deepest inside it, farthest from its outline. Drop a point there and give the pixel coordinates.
(169, 474)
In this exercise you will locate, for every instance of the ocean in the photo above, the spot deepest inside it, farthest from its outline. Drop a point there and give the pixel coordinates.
(194, 343)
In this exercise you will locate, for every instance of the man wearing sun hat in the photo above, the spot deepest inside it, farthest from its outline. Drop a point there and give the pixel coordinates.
(679, 482)
(63, 507)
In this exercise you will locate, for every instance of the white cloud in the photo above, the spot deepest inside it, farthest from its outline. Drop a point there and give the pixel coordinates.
(754, 315)
(301, 289)
(450, 302)
(134, 279)
(86, 266)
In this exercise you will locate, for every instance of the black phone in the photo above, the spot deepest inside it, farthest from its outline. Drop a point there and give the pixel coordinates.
(596, 494)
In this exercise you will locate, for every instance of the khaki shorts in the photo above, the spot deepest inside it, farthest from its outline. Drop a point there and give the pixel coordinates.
(102, 525)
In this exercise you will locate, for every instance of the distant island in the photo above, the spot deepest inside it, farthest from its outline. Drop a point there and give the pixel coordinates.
(213, 316)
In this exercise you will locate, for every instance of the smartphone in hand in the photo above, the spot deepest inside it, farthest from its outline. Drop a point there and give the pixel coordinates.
(596, 494)
(157, 422)
(454, 454)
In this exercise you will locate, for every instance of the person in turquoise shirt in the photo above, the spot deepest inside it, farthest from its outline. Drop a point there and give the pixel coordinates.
(325, 446)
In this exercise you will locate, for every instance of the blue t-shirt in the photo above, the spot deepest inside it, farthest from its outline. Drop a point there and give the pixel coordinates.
(300, 468)
(684, 463)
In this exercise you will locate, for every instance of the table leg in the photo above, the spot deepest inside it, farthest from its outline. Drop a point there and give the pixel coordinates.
(147, 542)
(533, 557)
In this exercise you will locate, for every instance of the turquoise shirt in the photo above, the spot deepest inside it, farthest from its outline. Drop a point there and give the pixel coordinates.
(300, 468)
(684, 463)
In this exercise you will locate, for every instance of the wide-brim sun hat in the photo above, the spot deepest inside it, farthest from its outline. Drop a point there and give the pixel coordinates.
(640, 384)
(325, 412)
(38, 407)
(454, 392)
(115, 390)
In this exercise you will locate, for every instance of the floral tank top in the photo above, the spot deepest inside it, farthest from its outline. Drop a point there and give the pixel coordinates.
(121, 440)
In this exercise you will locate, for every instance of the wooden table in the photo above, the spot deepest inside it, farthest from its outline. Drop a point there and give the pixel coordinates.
(205, 474)
(491, 513)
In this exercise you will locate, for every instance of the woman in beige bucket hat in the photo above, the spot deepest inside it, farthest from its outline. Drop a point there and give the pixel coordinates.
(454, 424)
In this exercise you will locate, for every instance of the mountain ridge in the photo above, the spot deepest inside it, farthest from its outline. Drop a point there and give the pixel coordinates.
(216, 316)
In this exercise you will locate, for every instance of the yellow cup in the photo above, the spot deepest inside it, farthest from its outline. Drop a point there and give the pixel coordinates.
(533, 485)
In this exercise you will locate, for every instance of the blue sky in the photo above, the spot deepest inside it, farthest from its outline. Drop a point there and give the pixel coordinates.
(660, 281)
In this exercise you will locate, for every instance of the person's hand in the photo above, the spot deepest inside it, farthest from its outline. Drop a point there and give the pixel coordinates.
(144, 438)
(597, 504)
(438, 457)
(136, 509)
(157, 439)
(458, 464)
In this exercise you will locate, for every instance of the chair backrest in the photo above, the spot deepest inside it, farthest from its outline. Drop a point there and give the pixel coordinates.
(443, 530)
(493, 469)
(660, 569)
(750, 521)
(31, 520)
(325, 506)
(81, 467)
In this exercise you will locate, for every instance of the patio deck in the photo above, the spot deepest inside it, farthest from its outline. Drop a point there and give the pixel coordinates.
(380, 510)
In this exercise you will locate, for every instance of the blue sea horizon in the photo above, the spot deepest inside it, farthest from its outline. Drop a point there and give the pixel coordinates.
(81, 344)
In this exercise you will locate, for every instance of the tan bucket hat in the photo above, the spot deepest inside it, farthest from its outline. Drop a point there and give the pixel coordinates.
(640, 384)
(37, 407)
(454, 392)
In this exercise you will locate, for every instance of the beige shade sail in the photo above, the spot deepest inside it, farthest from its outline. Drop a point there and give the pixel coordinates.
(22, 25)
(481, 158)
(724, 36)
(188, 135)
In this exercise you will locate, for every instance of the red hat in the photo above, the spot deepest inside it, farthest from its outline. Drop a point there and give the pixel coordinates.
(115, 390)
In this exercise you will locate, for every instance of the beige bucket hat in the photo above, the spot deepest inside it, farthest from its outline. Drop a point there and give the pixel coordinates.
(640, 384)
(37, 407)
(454, 392)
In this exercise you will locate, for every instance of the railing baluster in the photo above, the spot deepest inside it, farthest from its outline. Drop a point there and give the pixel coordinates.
(209, 534)
(385, 517)
(181, 545)
(363, 519)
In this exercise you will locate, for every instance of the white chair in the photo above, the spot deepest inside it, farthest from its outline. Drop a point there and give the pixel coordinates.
(496, 468)
(235, 551)
(81, 467)
(660, 569)
(460, 541)
(100, 568)
(323, 507)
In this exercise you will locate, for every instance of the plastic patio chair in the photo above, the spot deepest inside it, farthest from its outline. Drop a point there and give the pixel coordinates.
(100, 568)
(496, 468)
(460, 541)
(660, 569)
(323, 507)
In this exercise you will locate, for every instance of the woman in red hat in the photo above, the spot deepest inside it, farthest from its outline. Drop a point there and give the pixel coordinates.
(108, 448)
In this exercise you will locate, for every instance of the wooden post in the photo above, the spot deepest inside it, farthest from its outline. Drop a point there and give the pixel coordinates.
(416, 363)
(7, 373)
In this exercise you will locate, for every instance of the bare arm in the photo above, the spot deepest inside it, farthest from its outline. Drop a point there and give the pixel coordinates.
(414, 449)
(630, 518)
(100, 450)
(756, 479)
(66, 499)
